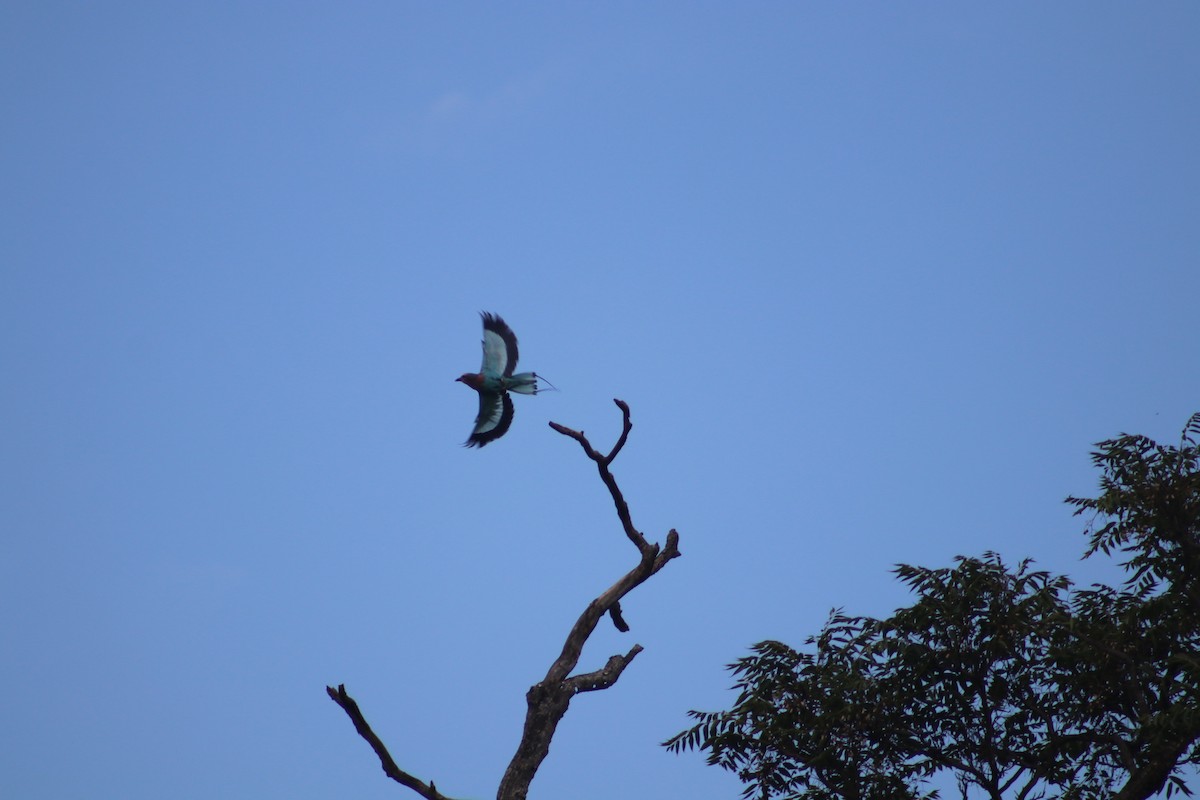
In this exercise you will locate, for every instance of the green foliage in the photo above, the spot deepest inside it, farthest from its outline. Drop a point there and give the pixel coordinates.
(1008, 678)
(801, 723)
(1137, 669)
(1151, 500)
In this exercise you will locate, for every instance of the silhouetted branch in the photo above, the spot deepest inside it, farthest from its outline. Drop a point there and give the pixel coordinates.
(339, 696)
(621, 404)
(602, 463)
(614, 613)
(549, 699)
(605, 677)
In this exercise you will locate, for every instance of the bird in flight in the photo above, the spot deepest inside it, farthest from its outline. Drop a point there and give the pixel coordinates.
(495, 380)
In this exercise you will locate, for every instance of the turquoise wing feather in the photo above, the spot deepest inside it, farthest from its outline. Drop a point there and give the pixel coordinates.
(495, 415)
(499, 347)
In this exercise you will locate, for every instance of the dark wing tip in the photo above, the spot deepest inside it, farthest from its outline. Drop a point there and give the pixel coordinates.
(502, 425)
(493, 322)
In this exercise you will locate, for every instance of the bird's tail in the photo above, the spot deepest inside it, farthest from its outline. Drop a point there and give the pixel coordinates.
(527, 383)
(522, 383)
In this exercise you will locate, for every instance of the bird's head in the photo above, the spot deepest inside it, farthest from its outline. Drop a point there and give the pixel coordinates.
(472, 379)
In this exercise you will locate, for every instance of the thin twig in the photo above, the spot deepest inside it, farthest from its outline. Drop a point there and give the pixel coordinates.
(625, 428)
(339, 696)
(602, 464)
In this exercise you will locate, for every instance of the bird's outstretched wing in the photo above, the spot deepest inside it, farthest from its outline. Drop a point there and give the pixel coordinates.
(495, 415)
(499, 346)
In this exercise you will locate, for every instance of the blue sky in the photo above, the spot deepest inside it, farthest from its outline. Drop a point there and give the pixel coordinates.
(873, 279)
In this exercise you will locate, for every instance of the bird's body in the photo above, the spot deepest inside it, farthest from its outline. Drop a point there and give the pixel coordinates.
(522, 382)
(495, 380)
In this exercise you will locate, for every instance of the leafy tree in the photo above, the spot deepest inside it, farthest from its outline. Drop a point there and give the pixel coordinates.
(1011, 680)
(1136, 670)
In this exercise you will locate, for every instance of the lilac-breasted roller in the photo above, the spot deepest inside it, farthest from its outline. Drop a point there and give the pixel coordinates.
(495, 380)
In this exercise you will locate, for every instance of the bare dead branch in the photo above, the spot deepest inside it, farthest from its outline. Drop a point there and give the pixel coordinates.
(339, 696)
(602, 463)
(614, 613)
(549, 699)
(625, 428)
(605, 677)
